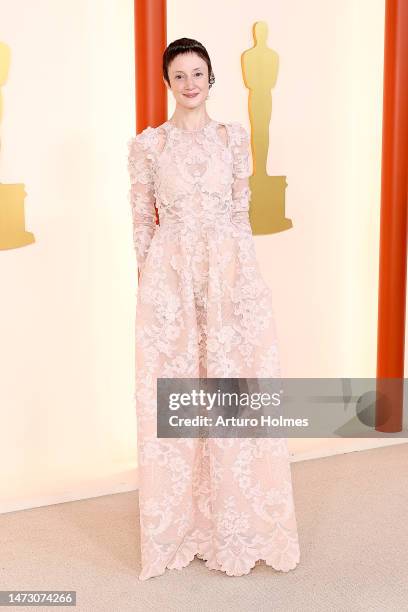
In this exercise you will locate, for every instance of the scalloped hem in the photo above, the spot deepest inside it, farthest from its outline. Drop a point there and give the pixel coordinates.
(146, 574)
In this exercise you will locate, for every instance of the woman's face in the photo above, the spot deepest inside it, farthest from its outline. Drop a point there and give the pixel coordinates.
(188, 75)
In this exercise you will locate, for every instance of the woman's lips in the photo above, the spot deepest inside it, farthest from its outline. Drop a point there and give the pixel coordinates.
(190, 95)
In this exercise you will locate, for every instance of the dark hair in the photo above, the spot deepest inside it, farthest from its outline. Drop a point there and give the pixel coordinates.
(186, 45)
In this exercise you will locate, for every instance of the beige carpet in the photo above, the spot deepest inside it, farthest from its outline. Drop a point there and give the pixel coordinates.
(352, 513)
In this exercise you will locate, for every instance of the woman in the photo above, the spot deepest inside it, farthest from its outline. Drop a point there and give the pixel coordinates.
(203, 310)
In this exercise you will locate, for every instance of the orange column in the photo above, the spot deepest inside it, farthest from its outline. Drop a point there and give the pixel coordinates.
(393, 221)
(150, 42)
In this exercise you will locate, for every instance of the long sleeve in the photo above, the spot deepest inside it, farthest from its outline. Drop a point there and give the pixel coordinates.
(241, 192)
(141, 195)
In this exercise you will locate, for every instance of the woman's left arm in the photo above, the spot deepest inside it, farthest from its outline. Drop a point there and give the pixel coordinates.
(241, 192)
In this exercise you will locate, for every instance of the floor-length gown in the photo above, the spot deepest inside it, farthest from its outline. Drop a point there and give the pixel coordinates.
(203, 310)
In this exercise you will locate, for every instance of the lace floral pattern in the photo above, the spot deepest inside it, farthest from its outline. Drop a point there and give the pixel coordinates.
(203, 310)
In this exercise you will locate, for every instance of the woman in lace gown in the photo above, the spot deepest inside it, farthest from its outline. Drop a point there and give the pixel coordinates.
(203, 310)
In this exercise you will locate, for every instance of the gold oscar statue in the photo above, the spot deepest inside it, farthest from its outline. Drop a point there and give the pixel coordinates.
(260, 70)
(12, 221)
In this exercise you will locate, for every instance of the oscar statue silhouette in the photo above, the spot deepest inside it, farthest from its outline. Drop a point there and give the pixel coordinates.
(260, 71)
(12, 221)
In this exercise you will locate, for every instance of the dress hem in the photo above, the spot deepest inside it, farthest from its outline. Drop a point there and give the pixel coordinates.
(145, 574)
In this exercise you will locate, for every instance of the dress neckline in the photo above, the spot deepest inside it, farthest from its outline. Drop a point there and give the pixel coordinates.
(175, 127)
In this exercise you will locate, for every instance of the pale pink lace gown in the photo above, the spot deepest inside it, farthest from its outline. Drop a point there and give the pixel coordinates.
(203, 309)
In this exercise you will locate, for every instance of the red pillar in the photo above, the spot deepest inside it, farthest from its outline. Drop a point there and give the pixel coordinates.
(393, 221)
(150, 43)
(150, 28)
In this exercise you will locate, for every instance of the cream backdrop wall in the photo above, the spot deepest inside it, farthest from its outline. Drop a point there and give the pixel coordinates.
(67, 309)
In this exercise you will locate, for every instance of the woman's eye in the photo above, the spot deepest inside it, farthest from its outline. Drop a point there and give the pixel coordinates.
(178, 76)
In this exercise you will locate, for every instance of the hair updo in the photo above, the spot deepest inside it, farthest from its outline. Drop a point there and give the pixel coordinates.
(186, 45)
